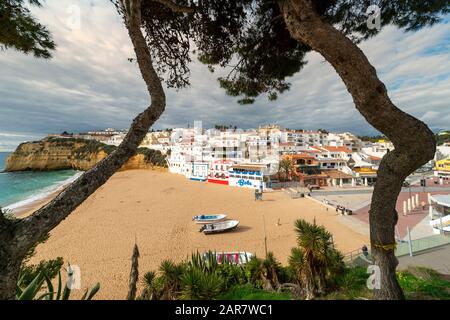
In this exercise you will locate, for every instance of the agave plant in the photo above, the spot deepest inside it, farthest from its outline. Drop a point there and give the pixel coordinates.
(273, 268)
(198, 285)
(232, 274)
(33, 291)
(170, 277)
(152, 286)
(207, 263)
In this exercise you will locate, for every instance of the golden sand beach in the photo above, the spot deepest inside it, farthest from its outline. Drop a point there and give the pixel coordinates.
(156, 208)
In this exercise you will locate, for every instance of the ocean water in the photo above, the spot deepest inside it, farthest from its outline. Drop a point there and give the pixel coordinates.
(22, 188)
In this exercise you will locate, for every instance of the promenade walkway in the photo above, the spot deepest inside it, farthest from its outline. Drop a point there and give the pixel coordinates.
(437, 258)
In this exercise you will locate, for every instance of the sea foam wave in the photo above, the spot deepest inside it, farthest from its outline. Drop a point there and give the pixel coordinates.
(43, 193)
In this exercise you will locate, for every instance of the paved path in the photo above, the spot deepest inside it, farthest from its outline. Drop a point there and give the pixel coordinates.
(344, 191)
(437, 259)
(421, 230)
(359, 203)
(410, 220)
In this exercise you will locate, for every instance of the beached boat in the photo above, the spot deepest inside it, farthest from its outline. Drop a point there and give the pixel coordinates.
(235, 257)
(209, 218)
(218, 227)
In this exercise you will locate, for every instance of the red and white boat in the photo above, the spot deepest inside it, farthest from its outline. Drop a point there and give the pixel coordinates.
(235, 257)
(218, 171)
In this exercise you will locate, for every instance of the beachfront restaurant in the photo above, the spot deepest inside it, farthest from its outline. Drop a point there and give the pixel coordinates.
(218, 171)
(440, 212)
(247, 176)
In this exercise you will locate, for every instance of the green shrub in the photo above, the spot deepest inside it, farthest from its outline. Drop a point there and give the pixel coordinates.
(423, 283)
(34, 290)
(248, 292)
(351, 284)
(198, 285)
(154, 157)
(49, 267)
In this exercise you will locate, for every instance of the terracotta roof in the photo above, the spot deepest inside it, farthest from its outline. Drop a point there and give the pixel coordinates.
(337, 149)
(311, 151)
(338, 174)
(283, 144)
(300, 155)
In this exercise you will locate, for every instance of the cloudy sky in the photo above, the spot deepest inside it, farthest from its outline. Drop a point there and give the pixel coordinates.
(89, 84)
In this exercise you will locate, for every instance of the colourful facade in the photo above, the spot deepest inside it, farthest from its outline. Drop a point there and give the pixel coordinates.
(218, 171)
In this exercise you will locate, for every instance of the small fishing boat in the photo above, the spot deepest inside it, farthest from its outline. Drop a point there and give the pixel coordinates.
(210, 218)
(218, 227)
(235, 257)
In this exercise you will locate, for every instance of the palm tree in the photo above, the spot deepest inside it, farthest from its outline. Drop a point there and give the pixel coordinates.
(285, 169)
(315, 256)
(296, 262)
(272, 268)
(257, 274)
(265, 272)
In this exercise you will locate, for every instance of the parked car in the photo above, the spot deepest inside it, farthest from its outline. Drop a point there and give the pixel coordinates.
(406, 184)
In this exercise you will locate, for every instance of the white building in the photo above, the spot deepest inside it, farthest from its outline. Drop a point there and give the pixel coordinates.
(247, 176)
(440, 213)
(199, 171)
(116, 139)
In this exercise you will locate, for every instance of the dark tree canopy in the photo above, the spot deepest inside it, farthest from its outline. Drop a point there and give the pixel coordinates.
(21, 31)
(250, 37)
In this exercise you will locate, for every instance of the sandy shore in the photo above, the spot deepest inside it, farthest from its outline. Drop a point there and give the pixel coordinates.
(28, 209)
(156, 209)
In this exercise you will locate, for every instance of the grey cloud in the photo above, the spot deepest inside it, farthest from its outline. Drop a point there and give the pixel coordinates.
(89, 84)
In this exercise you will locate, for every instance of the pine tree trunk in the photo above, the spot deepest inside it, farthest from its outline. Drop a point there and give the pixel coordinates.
(9, 265)
(414, 142)
(18, 237)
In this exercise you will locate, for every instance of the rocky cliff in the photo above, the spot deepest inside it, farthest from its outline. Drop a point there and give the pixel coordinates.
(78, 154)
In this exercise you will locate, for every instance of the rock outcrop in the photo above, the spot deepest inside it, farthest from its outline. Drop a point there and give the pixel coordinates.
(79, 154)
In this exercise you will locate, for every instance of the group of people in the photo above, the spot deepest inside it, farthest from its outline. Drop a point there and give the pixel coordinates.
(343, 210)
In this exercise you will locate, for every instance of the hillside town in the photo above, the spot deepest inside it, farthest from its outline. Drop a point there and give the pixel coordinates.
(264, 157)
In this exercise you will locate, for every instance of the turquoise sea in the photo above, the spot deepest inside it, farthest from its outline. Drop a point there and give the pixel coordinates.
(21, 188)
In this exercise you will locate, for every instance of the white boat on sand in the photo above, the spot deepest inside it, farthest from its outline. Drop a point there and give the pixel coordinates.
(218, 227)
(209, 218)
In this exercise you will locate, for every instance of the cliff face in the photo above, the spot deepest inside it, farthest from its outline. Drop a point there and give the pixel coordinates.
(78, 154)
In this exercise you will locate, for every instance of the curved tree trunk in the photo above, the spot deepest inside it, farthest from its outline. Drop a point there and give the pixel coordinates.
(17, 237)
(414, 142)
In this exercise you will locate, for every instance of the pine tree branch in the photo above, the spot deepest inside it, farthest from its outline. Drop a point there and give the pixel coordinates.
(32, 228)
(175, 7)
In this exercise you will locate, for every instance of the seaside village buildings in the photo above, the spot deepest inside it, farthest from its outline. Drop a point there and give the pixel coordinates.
(251, 158)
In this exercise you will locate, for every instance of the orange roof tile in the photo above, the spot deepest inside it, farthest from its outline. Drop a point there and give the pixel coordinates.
(337, 149)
